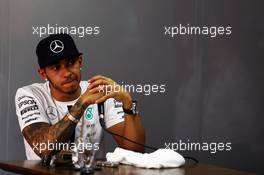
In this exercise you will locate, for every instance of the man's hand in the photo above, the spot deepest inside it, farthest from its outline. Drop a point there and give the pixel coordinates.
(132, 127)
(99, 90)
(110, 89)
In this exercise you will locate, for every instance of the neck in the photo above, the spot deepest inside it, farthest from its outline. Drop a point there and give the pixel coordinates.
(62, 96)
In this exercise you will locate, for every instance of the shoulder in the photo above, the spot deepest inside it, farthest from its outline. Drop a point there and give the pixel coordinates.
(32, 90)
(84, 84)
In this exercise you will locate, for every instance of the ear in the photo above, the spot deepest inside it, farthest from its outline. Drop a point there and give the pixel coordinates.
(42, 73)
(80, 61)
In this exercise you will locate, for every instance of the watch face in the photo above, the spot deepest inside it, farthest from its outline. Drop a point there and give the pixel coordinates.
(134, 108)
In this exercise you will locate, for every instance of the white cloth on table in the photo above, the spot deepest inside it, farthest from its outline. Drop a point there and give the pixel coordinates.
(162, 158)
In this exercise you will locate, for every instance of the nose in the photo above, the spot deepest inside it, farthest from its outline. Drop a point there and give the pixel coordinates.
(65, 72)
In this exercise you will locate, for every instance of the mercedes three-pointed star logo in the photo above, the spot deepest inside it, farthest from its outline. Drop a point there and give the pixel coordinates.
(56, 46)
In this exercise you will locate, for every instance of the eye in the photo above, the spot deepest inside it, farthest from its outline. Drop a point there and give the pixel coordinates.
(55, 67)
(71, 62)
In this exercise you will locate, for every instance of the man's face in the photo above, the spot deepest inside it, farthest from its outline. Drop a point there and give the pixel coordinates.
(65, 75)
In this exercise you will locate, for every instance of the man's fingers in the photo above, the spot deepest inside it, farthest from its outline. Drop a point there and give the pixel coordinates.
(98, 83)
(96, 77)
(96, 96)
(104, 98)
(97, 89)
(102, 88)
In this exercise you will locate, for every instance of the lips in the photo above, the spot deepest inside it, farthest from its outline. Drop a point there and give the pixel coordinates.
(68, 81)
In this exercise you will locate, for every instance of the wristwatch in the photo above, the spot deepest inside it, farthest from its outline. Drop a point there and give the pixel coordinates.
(132, 110)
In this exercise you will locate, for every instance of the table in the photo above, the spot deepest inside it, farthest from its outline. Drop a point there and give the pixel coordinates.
(34, 167)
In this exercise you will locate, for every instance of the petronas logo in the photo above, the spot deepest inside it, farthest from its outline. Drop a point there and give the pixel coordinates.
(88, 113)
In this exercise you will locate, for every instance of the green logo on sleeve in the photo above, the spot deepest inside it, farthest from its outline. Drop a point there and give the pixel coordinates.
(88, 113)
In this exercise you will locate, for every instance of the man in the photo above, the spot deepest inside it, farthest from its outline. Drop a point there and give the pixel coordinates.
(64, 106)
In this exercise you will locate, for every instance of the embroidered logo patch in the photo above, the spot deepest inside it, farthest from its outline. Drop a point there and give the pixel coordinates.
(88, 113)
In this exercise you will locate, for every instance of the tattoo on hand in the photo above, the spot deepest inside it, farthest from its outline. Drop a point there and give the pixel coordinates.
(77, 110)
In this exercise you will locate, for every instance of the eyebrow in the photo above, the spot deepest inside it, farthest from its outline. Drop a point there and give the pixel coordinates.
(55, 63)
(72, 58)
(67, 60)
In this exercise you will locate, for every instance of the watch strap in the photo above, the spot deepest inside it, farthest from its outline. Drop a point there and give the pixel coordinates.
(132, 110)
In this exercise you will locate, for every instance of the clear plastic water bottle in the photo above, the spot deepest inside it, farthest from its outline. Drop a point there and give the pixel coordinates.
(84, 151)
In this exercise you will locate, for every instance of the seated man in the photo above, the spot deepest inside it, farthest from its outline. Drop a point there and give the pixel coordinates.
(59, 109)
